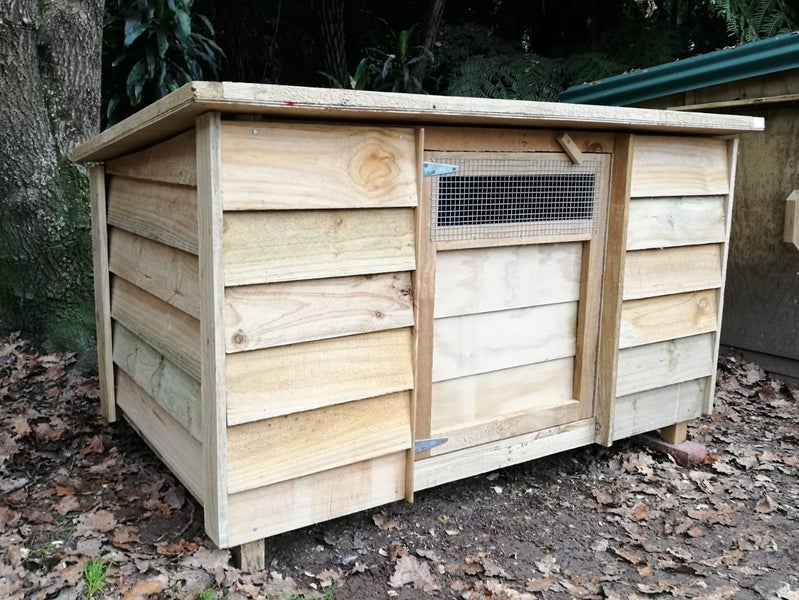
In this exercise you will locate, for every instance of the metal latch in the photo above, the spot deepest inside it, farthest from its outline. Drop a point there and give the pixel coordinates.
(431, 169)
(424, 445)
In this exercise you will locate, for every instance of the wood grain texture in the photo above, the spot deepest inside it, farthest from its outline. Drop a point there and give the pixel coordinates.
(650, 273)
(478, 433)
(275, 314)
(666, 222)
(424, 283)
(177, 111)
(272, 246)
(500, 393)
(668, 317)
(486, 342)
(467, 462)
(167, 273)
(673, 166)
(102, 293)
(653, 409)
(479, 139)
(292, 446)
(170, 331)
(300, 165)
(299, 377)
(315, 498)
(732, 148)
(162, 212)
(490, 279)
(173, 445)
(172, 161)
(610, 311)
(664, 363)
(512, 240)
(212, 331)
(169, 386)
(589, 309)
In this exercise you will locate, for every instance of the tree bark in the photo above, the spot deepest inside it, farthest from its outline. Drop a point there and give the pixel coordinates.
(430, 27)
(50, 55)
(331, 23)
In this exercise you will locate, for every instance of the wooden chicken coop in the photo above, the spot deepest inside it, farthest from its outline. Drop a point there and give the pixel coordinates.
(312, 302)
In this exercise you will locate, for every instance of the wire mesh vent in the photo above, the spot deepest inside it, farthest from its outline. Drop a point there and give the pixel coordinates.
(514, 195)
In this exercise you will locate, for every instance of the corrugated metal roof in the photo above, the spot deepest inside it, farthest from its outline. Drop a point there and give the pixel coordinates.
(771, 55)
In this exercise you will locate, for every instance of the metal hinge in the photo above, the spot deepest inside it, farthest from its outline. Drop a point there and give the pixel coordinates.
(424, 445)
(431, 169)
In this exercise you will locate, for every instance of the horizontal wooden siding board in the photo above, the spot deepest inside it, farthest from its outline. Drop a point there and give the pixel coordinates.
(667, 317)
(489, 279)
(272, 246)
(168, 330)
(666, 271)
(175, 391)
(291, 446)
(674, 166)
(653, 409)
(315, 498)
(485, 342)
(678, 221)
(489, 395)
(167, 273)
(261, 316)
(664, 363)
(299, 377)
(304, 166)
(162, 212)
(172, 161)
(171, 442)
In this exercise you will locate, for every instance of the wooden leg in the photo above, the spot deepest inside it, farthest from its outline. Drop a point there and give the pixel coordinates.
(675, 434)
(250, 556)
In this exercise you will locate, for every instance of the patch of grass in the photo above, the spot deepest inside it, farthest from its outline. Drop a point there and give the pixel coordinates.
(208, 595)
(94, 572)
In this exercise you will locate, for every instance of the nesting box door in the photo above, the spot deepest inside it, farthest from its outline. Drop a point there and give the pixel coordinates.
(517, 240)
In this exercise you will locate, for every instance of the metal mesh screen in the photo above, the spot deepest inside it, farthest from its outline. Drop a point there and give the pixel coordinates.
(514, 196)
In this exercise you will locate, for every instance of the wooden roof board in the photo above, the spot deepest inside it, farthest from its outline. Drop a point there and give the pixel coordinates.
(176, 113)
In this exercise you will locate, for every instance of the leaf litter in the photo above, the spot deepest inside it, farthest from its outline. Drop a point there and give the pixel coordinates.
(620, 522)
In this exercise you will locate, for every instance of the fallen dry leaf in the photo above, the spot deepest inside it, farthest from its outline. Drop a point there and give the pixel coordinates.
(765, 505)
(539, 584)
(410, 569)
(142, 589)
(385, 522)
(629, 556)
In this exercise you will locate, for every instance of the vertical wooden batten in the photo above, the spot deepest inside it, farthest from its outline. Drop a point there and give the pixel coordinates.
(212, 290)
(102, 293)
(588, 312)
(423, 291)
(732, 162)
(610, 313)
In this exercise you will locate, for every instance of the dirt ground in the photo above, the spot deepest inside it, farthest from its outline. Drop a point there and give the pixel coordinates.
(617, 522)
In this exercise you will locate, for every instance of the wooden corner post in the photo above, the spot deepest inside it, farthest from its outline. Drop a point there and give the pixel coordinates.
(102, 293)
(612, 283)
(212, 350)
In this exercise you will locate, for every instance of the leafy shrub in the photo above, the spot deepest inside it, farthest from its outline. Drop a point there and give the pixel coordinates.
(151, 48)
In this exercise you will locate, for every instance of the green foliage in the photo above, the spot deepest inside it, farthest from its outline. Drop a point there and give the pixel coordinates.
(208, 595)
(752, 20)
(152, 47)
(524, 76)
(357, 81)
(94, 572)
(393, 71)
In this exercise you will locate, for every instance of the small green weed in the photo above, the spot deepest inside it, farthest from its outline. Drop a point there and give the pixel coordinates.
(208, 595)
(94, 572)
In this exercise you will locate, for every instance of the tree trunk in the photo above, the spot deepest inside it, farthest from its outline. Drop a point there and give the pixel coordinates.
(50, 56)
(432, 23)
(331, 23)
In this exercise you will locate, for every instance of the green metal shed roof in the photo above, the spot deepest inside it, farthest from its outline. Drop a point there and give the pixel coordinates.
(771, 55)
